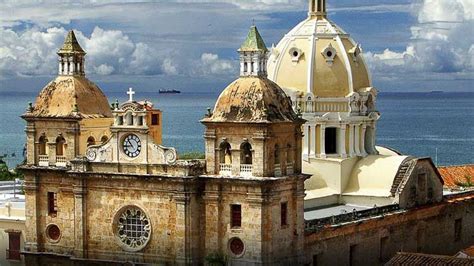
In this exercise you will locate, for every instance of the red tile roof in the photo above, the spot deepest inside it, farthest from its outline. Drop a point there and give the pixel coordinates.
(454, 175)
(403, 258)
(469, 251)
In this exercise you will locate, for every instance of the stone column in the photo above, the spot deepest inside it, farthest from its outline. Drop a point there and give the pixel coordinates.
(33, 232)
(357, 139)
(182, 228)
(52, 153)
(312, 141)
(374, 130)
(212, 160)
(362, 141)
(212, 214)
(342, 141)
(31, 150)
(306, 140)
(235, 162)
(322, 141)
(351, 141)
(80, 219)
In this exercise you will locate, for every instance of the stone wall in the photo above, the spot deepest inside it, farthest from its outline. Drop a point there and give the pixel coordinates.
(189, 216)
(429, 229)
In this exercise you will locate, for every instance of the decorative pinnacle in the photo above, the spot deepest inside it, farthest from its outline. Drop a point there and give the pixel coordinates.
(71, 45)
(254, 42)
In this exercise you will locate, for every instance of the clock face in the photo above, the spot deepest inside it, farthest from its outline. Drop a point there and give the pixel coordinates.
(132, 146)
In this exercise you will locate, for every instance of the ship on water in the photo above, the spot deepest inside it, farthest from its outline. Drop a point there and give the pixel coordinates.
(169, 91)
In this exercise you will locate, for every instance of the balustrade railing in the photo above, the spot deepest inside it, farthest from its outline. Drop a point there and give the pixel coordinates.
(277, 169)
(43, 160)
(225, 169)
(321, 105)
(61, 161)
(289, 169)
(246, 170)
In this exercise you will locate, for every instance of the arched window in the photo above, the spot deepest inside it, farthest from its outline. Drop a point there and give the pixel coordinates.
(252, 67)
(277, 154)
(42, 145)
(104, 139)
(246, 67)
(225, 153)
(60, 146)
(246, 153)
(90, 141)
(289, 154)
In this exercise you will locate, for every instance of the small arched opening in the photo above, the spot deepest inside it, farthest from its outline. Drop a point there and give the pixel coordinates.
(289, 154)
(90, 141)
(225, 159)
(60, 146)
(42, 148)
(225, 153)
(104, 139)
(246, 153)
(277, 154)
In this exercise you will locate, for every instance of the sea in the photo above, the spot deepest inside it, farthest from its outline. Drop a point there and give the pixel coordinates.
(438, 125)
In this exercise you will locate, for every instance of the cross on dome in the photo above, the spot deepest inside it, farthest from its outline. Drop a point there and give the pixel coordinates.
(130, 93)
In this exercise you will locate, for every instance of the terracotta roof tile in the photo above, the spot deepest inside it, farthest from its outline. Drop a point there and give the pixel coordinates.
(454, 176)
(403, 258)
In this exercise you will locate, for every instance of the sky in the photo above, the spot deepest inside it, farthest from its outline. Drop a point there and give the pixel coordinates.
(419, 45)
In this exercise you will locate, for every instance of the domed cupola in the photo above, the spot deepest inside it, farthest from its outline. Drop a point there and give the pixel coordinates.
(318, 58)
(253, 130)
(71, 94)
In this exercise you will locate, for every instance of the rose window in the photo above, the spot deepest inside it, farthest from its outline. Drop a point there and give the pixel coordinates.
(133, 228)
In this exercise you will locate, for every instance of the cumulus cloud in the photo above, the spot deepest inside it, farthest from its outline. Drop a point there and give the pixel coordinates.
(441, 42)
(33, 52)
(211, 64)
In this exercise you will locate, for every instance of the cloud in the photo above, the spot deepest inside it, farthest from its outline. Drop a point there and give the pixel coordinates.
(441, 42)
(211, 64)
(33, 52)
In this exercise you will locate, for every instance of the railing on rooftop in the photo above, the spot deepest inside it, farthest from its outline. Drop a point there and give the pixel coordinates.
(61, 161)
(277, 169)
(319, 224)
(43, 160)
(225, 169)
(289, 169)
(246, 170)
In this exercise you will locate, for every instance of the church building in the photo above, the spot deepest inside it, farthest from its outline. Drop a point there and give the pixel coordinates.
(291, 174)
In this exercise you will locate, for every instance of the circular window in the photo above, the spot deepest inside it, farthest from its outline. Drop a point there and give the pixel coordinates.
(295, 54)
(53, 232)
(329, 53)
(132, 228)
(236, 246)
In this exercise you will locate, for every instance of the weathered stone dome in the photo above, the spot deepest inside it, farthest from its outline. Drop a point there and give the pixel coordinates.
(253, 99)
(71, 96)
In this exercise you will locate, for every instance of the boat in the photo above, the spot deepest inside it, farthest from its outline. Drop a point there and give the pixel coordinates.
(170, 91)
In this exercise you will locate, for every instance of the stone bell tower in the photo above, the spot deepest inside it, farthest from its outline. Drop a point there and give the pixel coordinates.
(254, 200)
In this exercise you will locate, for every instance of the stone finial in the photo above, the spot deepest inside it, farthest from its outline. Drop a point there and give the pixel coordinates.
(30, 108)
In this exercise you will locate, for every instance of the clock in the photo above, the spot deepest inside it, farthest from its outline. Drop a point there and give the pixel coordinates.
(132, 145)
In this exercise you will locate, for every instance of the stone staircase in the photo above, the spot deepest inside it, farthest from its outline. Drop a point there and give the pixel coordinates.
(403, 172)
